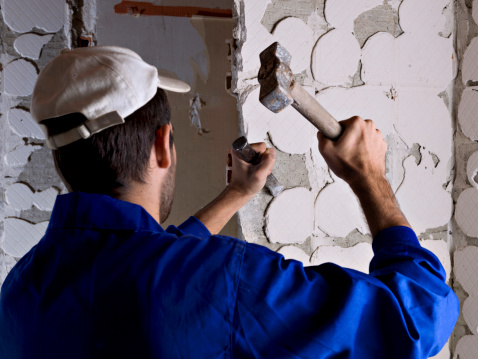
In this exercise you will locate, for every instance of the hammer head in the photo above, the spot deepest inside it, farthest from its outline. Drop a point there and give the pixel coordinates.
(275, 78)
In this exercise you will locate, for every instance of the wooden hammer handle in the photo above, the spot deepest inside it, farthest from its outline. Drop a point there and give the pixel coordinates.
(313, 111)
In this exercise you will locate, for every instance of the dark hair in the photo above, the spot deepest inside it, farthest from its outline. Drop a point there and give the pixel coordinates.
(110, 160)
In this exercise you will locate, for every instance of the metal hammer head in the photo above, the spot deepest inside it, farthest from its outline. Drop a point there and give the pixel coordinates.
(275, 78)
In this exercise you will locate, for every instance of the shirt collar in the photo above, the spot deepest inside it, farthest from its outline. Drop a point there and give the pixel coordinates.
(91, 210)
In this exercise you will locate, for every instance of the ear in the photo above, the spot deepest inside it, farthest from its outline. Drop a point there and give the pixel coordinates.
(161, 147)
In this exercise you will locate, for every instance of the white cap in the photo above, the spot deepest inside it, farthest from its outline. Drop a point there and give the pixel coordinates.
(104, 83)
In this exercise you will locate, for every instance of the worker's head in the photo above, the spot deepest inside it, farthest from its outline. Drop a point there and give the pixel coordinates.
(107, 119)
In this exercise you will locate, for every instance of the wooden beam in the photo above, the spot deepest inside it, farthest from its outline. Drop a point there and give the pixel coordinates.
(148, 9)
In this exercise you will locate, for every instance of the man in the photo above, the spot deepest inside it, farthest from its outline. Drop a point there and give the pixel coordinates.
(107, 281)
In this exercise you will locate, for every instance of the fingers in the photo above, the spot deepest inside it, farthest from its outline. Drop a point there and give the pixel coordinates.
(259, 147)
(268, 159)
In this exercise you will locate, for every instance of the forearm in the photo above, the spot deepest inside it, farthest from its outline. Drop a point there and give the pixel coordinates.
(379, 204)
(216, 214)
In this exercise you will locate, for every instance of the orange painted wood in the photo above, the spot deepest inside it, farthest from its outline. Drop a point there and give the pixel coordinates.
(146, 8)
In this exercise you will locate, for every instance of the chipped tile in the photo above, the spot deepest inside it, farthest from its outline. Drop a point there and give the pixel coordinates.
(24, 125)
(30, 45)
(19, 156)
(466, 212)
(19, 196)
(292, 252)
(470, 313)
(297, 38)
(472, 169)
(291, 132)
(342, 13)
(338, 210)
(357, 257)
(475, 11)
(25, 15)
(21, 236)
(290, 216)
(467, 347)
(335, 58)
(468, 113)
(19, 78)
(466, 267)
(378, 60)
(45, 200)
(256, 118)
(422, 17)
(469, 67)
(422, 198)
(6, 264)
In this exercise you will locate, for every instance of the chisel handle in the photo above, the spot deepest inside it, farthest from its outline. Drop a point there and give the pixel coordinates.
(249, 155)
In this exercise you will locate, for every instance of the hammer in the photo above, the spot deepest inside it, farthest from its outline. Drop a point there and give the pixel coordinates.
(279, 90)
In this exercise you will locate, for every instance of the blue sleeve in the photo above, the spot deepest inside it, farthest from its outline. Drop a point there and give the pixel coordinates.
(192, 226)
(403, 309)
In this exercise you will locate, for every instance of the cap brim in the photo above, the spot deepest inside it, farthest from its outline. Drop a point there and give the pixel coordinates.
(170, 84)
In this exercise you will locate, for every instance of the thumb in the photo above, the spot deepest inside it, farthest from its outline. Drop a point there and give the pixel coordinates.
(267, 160)
(323, 141)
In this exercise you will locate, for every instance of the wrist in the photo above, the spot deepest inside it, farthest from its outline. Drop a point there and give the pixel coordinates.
(364, 184)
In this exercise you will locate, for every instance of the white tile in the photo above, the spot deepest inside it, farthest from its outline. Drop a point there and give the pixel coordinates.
(24, 125)
(24, 15)
(422, 17)
(469, 68)
(20, 155)
(19, 78)
(30, 45)
(341, 13)
(472, 169)
(475, 11)
(292, 252)
(19, 196)
(470, 313)
(290, 216)
(338, 210)
(379, 60)
(256, 118)
(422, 198)
(468, 113)
(467, 347)
(291, 132)
(419, 111)
(45, 200)
(440, 249)
(6, 264)
(368, 102)
(335, 58)
(466, 268)
(466, 212)
(357, 257)
(297, 38)
(21, 236)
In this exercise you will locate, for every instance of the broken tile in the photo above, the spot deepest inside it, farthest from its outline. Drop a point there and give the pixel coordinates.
(24, 125)
(19, 78)
(256, 118)
(341, 13)
(472, 169)
(466, 267)
(469, 68)
(422, 17)
(21, 236)
(19, 156)
(6, 264)
(335, 58)
(383, 18)
(317, 168)
(338, 210)
(475, 11)
(292, 252)
(25, 15)
(466, 212)
(422, 198)
(291, 132)
(468, 113)
(290, 216)
(369, 102)
(378, 60)
(467, 347)
(420, 110)
(30, 45)
(295, 36)
(357, 257)
(45, 200)
(470, 313)
(19, 196)
(440, 249)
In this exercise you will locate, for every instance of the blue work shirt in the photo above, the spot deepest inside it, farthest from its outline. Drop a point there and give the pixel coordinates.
(106, 281)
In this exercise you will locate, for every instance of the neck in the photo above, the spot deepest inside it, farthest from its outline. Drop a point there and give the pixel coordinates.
(146, 197)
